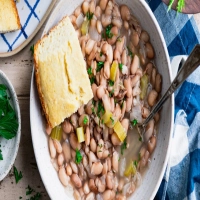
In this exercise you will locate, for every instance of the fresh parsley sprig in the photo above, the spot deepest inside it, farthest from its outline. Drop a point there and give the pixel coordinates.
(18, 175)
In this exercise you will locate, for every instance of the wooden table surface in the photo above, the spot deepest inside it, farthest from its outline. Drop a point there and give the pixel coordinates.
(18, 68)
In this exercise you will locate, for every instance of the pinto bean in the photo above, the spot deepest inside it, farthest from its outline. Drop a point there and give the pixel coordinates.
(100, 92)
(117, 111)
(134, 80)
(145, 112)
(64, 179)
(100, 148)
(76, 180)
(89, 46)
(108, 195)
(120, 44)
(96, 168)
(52, 148)
(66, 126)
(58, 146)
(135, 64)
(74, 120)
(106, 102)
(99, 26)
(120, 197)
(115, 140)
(109, 8)
(135, 38)
(121, 184)
(82, 118)
(74, 141)
(153, 77)
(87, 136)
(106, 20)
(144, 36)
(129, 102)
(92, 55)
(123, 110)
(90, 196)
(116, 21)
(98, 12)
(151, 144)
(110, 180)
(117, 55)
(48, 129)
(152, 97)
(125, 124)
(74, 167)
(76, 195)
(149, 50)
(92, 6)
(115, 161)
(124, 57)
(85, 7)
(92, 158)
(93, 145)
(68, 170)
(94, 90)
(92, 186)
(60, 159)
(100, 184)
(157, 117)
(126, 25)
(158, 83)
(127, 85)
(125, 12)
(86, 188)
(103, 4)
(77, 11)
(105, 168)
(149, 130)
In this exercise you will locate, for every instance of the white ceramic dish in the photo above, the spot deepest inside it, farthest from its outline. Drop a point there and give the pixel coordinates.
(152, 178)
(9, 147)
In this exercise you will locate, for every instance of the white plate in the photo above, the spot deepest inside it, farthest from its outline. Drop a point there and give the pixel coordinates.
(153, 177)
(9, 147)
(32, 15)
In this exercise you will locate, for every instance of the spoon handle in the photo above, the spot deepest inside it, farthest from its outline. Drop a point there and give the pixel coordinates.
(192, 62)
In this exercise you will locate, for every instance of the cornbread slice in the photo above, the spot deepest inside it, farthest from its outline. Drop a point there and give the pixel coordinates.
(61, 76)
(9, 18)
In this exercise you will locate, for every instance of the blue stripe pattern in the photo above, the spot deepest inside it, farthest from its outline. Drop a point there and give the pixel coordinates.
(183, 178)
(22, 32)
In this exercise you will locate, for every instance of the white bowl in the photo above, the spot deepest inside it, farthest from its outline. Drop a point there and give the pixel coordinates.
(9, 147)
(153, 177)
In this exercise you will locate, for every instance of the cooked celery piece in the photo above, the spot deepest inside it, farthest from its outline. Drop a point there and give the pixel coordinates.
(106, 116)
(85, 27)
(112, 121)
(56, 133)
(113, 70)
(119, 130)
(130, 170)
(80, 134)
(143, 86)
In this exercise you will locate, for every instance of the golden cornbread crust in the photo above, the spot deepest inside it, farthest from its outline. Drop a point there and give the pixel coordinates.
(60, 71)
(9, 18)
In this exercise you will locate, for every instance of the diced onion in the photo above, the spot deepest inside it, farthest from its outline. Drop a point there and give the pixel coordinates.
(124, 69)
(119, 130)
(56, 133)
(136, 113)
(94, 35)
(79, 20)
(80, 134)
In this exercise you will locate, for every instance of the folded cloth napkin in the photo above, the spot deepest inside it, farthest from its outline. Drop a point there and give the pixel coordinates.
(182, 175)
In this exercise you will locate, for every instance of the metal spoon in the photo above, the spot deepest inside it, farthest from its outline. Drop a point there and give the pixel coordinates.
(192, 62)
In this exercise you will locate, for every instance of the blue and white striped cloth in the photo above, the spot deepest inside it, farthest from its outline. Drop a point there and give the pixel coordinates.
(182, 177)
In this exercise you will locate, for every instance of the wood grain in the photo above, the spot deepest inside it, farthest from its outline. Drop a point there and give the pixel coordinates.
(191, 6)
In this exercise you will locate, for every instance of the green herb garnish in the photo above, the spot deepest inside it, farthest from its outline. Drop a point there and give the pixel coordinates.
(92, 80)
(123, 147)
(134, 122)
(85, 120)
(89, 70)
(112, 120)
(8, 120)
(37, 196)
(108, 31)
(78, 157)
(140, 139)
(29, 190)
(130, 53)
(119, 39)
(32, 49)
(20, 197)
(89, 15)
(110, 82)
(120, 66)
(100, 109)
(1, 156)
(100, 65)
(111, 93)
(101, 54)
(18, 175)
(135, 163)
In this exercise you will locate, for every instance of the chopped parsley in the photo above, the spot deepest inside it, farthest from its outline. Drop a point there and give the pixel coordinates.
(100, 65)
(78, 157)
(110, 82)
(120, 66)
(140, 139)
(134, 122)
(100, 145)
(18, 175)
(89, 15)
(111, 93)
(1, 156)
(20, 197)
(101, 54)
(102, 121)
(29, 190)
(89, 70)
(123, 147)
(8, 119)
(85, 120)
(112, 120)
(130, 53)
(139, 156)
(135, 163)
(119, 39)
(100, 109)
(108, 31)
(92, 80)
(32, 49)
(93, 111)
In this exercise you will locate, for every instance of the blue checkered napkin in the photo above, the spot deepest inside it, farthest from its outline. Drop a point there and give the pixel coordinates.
(30, 14)
(182, 177)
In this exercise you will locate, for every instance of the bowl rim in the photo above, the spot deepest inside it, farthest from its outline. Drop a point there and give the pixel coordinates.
(16, 107)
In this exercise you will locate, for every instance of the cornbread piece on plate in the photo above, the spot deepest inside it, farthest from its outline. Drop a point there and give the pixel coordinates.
(9, 18)
(61, 76)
